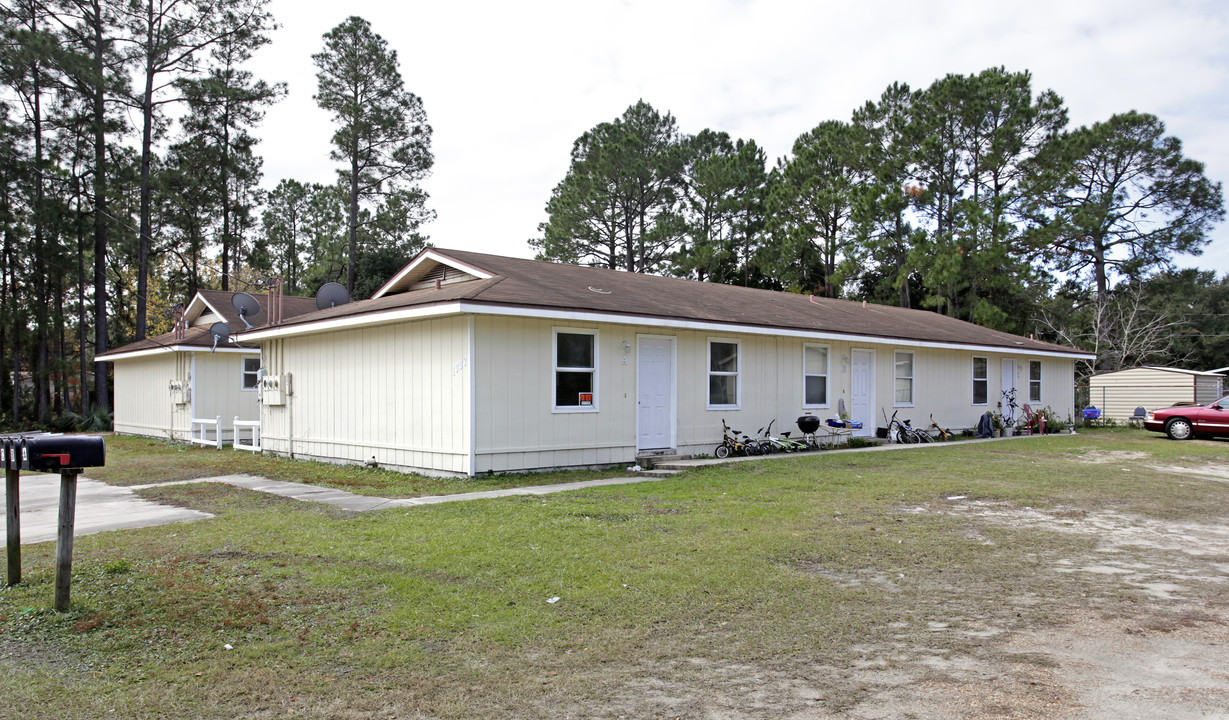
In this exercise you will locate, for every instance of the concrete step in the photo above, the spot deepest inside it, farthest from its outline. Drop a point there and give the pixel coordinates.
(659, 473)
(652, 460)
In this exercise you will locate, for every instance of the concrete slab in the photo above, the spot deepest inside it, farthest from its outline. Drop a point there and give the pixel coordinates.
(100, 507)
(509, 492)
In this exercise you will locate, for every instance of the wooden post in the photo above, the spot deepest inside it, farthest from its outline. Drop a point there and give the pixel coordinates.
(64, 539)
(13, 524)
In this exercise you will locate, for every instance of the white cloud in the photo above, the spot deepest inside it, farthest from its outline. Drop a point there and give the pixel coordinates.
(508, 87)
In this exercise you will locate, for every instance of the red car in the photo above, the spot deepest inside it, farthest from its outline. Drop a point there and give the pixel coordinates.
(1186, 422)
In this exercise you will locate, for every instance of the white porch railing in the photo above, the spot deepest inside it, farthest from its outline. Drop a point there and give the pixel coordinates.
(203, 438)
(254, 426)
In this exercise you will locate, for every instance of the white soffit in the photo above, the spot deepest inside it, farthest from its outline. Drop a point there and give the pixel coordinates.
(178, 348)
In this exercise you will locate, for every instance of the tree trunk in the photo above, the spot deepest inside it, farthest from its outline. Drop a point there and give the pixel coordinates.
(225, 183)
(40, 372)
(147, 141)
(83, 367)
(351, 271)
(102, 398)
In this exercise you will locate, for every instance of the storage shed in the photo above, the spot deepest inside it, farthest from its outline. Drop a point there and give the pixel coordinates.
(1118, 393)
(464, 363)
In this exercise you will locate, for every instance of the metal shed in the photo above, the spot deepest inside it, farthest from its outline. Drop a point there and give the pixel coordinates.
(1119, 393)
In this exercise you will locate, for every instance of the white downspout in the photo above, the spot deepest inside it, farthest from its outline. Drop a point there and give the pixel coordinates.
(473, 400)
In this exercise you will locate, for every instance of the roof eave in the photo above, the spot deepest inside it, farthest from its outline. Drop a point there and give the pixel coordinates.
(457, 307)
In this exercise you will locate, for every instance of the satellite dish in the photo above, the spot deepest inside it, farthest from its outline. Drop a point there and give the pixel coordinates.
(220, 332)
(245, 305)
(331, 295)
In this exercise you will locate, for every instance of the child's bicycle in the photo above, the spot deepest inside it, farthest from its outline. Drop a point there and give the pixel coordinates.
(786, 442)
(733, 444)
(944, 434)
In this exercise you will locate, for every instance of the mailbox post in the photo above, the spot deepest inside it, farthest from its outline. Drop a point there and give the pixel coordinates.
(41, 452)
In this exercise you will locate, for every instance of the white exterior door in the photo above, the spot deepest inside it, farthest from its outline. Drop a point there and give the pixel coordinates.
(862, 391)
(1008, 387)
(655, 393)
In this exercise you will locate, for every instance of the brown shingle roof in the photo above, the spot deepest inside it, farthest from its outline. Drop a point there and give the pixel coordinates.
(532, 284)
(292, 306)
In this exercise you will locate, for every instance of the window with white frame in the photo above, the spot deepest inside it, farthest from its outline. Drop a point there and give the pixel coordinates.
(981, 381)
(815, 376)
(723, 370)
(251, 373)
(575, 370)
(904, 378)
(1034, 381)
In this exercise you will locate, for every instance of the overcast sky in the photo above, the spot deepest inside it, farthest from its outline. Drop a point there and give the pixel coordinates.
(509, 86)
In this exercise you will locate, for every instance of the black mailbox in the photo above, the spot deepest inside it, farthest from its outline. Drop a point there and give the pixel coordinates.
(52, 453)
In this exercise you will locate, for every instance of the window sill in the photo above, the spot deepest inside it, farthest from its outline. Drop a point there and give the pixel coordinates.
(724, 407)
(904, 405)
(572, 410)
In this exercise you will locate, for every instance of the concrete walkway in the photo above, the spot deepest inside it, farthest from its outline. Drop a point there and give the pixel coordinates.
(102, 507)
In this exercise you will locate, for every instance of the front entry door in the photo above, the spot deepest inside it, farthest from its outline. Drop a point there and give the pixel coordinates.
(655, 393)
(862, 391)
(1009, 389)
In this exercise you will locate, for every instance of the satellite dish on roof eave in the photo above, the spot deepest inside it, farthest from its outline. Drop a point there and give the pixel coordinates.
(245, 305)
(220, 332)
(331, 294)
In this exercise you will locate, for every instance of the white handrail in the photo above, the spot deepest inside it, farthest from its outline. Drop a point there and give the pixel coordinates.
(203, 438)
(254, 425)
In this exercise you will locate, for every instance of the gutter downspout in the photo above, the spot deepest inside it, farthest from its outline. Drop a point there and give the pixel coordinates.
(473, 399)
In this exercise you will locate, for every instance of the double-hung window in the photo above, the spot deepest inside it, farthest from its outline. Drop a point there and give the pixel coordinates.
(981, 381)
(575, 370)
(1034, 381)
(904, 378)
(815, 376)
(723, 373)
(251, 373)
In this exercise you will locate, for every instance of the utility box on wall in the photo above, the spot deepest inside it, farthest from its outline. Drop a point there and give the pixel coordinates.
(275, 388)
(180, 392)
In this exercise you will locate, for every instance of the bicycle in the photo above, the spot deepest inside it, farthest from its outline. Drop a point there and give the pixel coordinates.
(906, 434)
(944, 434)
(779, 444)
(734, 445)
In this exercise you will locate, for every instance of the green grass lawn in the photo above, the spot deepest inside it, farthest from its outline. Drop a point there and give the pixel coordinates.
(135, 460)
(788, 565)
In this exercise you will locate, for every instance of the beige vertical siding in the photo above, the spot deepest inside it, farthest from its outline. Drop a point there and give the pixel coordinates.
(398, 393)
(142, 394)
(517, 429)
(218, 390)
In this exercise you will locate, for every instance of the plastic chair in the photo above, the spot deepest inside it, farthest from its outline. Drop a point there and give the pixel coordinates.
(1141, 414)
(1034, 421)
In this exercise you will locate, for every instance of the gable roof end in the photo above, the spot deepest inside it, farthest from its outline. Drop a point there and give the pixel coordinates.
(424, 262)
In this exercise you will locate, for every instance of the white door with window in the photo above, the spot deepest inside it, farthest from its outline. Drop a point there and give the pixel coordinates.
(862, 391)
(1009, 389)
(655, 392)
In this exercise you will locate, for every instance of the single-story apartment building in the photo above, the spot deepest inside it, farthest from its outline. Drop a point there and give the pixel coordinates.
(465, 363)
(1118, 393)
(162, 383)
